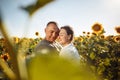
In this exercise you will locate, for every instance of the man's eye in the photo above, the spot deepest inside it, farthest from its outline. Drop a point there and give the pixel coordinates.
(51, 31)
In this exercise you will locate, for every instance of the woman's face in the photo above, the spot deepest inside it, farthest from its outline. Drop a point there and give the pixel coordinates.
(64, 38)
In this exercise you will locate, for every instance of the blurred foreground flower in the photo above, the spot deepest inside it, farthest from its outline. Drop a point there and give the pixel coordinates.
(34, 7)
(55, 68)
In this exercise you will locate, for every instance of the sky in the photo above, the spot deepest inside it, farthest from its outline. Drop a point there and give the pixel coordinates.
(79, 14)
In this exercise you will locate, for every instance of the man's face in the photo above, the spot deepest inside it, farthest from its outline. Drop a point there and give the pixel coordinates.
(51, 32)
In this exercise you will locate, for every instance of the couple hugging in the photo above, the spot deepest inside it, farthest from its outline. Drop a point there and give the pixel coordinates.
(58, 42)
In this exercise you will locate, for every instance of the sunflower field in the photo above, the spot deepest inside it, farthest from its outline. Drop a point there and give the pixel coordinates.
(100, 53)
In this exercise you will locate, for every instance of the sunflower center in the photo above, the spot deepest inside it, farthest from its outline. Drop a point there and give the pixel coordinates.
(96, 28)
(117, 30)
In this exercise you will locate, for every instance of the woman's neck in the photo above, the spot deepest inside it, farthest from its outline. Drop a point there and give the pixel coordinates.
(66, 44)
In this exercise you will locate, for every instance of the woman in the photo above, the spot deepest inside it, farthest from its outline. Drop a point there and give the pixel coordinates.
(68, 50)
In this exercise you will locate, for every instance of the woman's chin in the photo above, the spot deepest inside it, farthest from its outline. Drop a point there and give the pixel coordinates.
(61, 43)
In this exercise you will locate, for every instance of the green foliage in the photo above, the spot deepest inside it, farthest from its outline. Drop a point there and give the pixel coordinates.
(32, 45)
(101, 53)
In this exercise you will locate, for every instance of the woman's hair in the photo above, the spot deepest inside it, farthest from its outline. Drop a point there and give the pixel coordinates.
(69, 31)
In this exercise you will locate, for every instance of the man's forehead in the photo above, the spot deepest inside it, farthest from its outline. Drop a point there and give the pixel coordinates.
(52, 27)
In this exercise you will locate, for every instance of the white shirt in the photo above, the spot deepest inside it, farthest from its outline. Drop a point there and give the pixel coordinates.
(70, 52)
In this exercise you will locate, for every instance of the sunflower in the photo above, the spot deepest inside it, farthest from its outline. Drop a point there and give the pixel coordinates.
(84, 32)
(116, 39)
(80, 39)
(94, 34)
(88, 36)
(75, 38)
(5, 56)
(31, 39)
(37, 33)
(102, 36)
(40, 38)
(109, 37)
(117, 29)
(97, 28)
(88, 33)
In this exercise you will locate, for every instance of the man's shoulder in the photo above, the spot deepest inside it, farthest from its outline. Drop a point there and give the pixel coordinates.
(44, 46)
(44, 42)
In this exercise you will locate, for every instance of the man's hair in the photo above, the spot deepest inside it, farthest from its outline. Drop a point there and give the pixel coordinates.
(52, 22)
(69, 31)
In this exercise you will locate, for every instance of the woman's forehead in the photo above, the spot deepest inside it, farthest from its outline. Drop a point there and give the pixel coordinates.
(62, 31)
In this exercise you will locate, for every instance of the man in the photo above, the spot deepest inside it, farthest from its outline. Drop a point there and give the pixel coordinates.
(46, 46)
